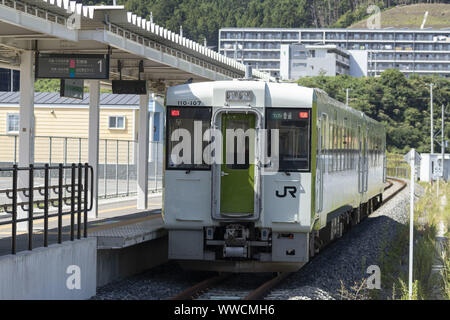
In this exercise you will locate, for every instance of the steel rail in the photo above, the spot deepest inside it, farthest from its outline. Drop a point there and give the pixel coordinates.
(261, 291)
(200, 287)
(403, 186)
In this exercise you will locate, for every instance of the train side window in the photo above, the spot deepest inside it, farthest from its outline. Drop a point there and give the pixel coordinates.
(181, 121)
(354, 149)
(344, 148)
(349, 148)
(330, 147)
(333, 147)
(336, 148)
(341, 153)
(348, 145)
(294, 127)
(347, 142)
(324, 135)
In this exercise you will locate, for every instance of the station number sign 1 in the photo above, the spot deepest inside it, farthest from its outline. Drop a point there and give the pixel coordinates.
(72, 66)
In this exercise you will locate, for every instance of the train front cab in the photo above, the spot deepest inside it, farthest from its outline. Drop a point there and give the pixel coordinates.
(241, 215)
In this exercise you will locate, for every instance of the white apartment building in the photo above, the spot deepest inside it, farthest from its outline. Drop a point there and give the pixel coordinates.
(299, 60)
(423, 51)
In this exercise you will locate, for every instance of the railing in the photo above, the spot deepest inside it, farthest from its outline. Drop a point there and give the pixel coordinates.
(26, 203)
(399, 172)
(117, 160)
(35, 11)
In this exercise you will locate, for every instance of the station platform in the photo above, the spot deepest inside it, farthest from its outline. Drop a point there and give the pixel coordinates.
(118, 225)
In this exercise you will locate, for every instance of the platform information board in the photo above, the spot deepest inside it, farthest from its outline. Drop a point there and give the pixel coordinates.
(72, 66)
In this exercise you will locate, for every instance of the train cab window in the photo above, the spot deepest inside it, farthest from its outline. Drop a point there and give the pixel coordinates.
(294, 133)
(181, 124)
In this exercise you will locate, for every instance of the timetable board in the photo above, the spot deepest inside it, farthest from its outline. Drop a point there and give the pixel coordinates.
(72, 66)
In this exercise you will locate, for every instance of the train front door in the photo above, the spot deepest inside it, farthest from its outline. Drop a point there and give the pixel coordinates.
(237, 181)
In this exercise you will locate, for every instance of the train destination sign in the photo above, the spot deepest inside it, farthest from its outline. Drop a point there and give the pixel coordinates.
(72, 66)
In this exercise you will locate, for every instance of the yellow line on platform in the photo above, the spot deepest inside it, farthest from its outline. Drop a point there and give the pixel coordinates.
(116, 209)
(123, 223)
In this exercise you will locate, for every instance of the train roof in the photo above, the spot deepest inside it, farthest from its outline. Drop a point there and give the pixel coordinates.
(266, 94)
(321, 94)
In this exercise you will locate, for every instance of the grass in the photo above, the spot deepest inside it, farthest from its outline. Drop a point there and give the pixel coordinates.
(394, 259)
(411, 16)
(446, 272)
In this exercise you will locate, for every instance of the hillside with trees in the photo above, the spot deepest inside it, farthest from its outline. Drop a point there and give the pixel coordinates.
(203, 18)
(402, 104)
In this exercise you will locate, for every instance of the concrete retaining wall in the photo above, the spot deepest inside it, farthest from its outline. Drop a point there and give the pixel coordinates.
(116, 264)
(60, 271)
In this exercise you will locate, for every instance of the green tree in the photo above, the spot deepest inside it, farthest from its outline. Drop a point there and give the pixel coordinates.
(401, 104)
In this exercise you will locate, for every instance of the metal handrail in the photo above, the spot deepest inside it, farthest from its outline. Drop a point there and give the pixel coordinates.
(120, 159)
(80, 202)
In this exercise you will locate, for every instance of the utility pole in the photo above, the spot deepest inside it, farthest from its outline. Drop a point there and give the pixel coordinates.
(412, 157)
(346, 93)
(431, 117)
(411, 224)
(442, 141)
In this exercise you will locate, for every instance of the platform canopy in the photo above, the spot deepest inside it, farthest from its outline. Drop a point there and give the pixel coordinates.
(62, 26)
(143, 49)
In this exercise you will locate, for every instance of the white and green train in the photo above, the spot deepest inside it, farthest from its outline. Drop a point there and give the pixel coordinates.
(311, 167)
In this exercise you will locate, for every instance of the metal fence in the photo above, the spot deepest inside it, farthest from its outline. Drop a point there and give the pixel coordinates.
(26, 201)
(399, 172)
(117, 160)
(397, 166)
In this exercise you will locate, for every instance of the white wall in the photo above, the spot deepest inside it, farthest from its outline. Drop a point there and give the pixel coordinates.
(427, 163)
(42, 273)
(358, 63)
(285, 62)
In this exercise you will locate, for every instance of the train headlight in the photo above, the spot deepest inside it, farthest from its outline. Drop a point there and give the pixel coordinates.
(239, 96)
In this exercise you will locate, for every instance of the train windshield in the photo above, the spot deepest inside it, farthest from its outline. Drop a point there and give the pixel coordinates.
(294, 134)
(182, 151)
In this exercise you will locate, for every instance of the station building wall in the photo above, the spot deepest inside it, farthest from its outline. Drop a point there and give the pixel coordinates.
(60, 121)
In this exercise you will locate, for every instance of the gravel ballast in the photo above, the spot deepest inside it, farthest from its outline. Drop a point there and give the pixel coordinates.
(344, 263)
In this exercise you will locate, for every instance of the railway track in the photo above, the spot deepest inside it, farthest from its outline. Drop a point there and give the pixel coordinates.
(215, 288)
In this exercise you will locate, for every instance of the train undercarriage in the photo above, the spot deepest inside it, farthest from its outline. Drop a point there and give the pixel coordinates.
(240, 247)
